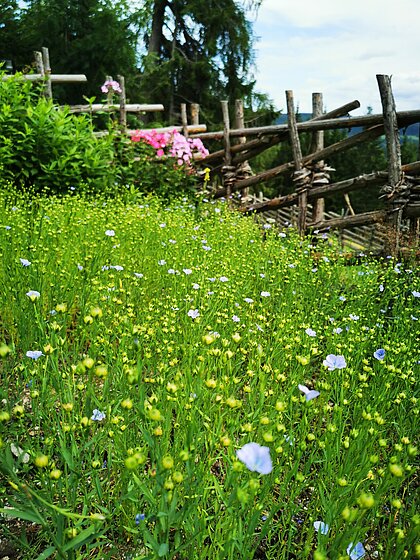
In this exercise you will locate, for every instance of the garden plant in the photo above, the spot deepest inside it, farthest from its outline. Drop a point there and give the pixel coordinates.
(177, 382)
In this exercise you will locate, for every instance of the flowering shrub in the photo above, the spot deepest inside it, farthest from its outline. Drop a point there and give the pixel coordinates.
(172, 144)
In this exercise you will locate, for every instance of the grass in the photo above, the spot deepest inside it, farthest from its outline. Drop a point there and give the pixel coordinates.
(168, 338)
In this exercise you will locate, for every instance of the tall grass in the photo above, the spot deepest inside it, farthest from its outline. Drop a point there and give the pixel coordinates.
(168, 338)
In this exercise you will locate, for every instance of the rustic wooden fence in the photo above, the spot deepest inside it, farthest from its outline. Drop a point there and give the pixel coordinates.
(400, 188)
(44, 74)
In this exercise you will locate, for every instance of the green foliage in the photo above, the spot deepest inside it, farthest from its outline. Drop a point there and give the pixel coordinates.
(83, 36)
(45, 148)
(120, 440)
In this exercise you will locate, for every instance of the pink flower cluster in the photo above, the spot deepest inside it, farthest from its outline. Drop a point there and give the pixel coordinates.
(111, 85)
(176, 145)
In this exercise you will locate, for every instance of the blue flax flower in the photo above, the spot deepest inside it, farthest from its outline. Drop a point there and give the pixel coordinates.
(356, 551)
(139, 517)
(97, 415)
(321, 527)
(379, 354)
(333, 362)
(309, 394)
(255, 457)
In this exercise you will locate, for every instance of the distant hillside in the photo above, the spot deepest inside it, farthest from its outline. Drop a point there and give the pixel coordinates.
(412, 131)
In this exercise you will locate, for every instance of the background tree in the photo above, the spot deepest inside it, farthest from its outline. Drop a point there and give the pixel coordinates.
(89, 37)
(197, 51)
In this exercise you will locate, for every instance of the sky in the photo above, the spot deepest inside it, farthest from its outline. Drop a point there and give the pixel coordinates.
(337, 47)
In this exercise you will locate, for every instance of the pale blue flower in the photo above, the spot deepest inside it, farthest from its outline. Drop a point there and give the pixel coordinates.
(7, 227)
(187, 271)
(249, 300)
(356, 551)
(309, 394)
(321, 527)
(338, 330)
(97, 415)
(342, 298)
(110, 232)
(25, 262)
(310, 332)
(333, 362)
(139, 517)
(224, 279)
(171, 271)
(193, 313)
(34, 354)
(354, 317)
(379, 354)
(415, 294)
(138, 275)
(255, 457)
(282, 234)
(33, 295)
(162, 262)
(196, 286)
(236, 319)
(381, 287)
(265, 294)
(80, 267)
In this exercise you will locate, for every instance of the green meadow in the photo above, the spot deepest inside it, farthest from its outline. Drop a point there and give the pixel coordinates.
(143, 347)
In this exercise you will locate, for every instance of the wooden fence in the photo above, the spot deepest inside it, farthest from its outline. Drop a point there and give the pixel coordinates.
(400, 185)
(44, 74)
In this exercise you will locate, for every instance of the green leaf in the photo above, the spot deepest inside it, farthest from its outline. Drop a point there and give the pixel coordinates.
(163, 550)
(80, 539)
(47, 553)
(26, 515)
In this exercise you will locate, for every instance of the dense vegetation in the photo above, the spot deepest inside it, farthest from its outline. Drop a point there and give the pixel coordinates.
(144, 347)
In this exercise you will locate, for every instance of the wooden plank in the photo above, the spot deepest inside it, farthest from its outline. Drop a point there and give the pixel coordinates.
(255, 147)
(191, 128)
(104, 107)
(404, 118)
(55, 78)
(345, 144)
(195, 113)
(366, 218)
(184, 119)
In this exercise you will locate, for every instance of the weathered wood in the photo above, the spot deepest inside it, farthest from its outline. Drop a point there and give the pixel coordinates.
(362, 181)
(39, 64)
(129, 108)
(365, 219)
(47, 72)
(393, 158)
(391, 129)
(243, 168)
(123, 110)
(317, 145)
(345, 144)
(55, 78)
(255, 147)
(191, 128)
(226, 132)
(404, 118)
(297, 157)
(184, 119)
(195, 113)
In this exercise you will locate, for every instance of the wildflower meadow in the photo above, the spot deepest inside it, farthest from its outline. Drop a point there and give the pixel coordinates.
(179, 383)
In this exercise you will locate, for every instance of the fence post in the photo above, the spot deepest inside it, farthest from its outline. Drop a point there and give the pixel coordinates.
(47, 72)
(316, 145)
(195, 113)
(227, 170)
(395, 207)
(184, 119)
(300, 173)
(123, 112)
(244, 169)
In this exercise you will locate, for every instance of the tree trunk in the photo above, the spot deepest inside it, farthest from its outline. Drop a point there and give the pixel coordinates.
(156, 36)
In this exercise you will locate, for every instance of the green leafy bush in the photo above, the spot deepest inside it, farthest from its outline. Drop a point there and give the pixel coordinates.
(46, 148)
